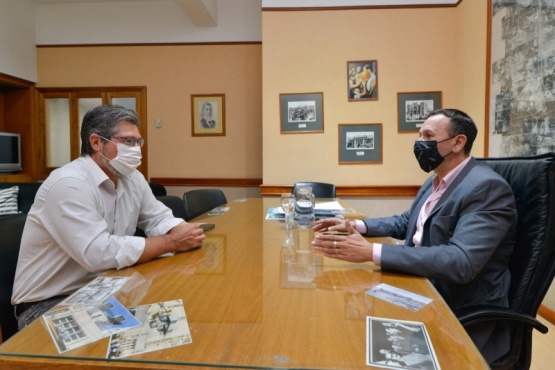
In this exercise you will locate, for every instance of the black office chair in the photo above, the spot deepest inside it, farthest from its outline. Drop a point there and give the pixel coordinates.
(157, 189)
(319, 189)
(532, 264)
(202, 200)
(11, 229)
(174, 203)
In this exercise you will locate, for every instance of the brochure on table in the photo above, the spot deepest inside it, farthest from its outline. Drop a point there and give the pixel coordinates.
(92, 313)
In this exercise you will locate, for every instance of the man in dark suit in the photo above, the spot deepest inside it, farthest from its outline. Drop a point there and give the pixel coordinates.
(459, 231)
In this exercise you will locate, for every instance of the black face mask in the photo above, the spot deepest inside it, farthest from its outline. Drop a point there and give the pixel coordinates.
(427, 154)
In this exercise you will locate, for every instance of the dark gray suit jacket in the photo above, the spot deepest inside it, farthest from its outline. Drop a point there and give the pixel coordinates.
(467, 239)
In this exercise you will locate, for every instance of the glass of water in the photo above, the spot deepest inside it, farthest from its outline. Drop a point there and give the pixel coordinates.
(287, 202)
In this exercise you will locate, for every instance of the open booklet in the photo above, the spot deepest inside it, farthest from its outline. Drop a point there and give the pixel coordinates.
(92, 313)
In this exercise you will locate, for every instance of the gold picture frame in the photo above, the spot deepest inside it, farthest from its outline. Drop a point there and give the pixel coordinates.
(208, 115)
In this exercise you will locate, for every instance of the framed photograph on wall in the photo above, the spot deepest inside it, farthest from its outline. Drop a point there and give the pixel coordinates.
(301, 113)
(360, 143)
(208, 115)
(414, 107)
(362, 80)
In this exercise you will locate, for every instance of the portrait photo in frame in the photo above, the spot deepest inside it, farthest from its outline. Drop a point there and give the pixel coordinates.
(362, 80)
(414, 107)
(301, 113)
(208, 115)
(360, 143)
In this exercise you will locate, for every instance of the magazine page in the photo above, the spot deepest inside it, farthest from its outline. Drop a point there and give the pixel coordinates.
(96, 291)
(398, 344)
(76, 325)
(163, 325)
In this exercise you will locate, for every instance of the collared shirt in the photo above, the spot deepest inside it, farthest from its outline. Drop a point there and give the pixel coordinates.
(438, 188)
(81, 224)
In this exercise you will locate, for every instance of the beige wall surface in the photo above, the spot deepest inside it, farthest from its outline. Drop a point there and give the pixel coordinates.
(417, 49)
(172, 73)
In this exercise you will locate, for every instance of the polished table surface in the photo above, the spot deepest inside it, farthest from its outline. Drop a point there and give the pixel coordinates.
(250, 303)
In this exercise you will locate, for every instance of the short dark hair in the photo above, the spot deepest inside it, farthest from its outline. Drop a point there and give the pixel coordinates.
(103, 121)
(459, 123)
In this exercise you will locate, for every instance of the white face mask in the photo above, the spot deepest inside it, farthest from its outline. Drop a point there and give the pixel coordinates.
(127, 160)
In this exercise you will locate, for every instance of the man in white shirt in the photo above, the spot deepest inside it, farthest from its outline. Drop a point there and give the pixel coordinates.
(459, 231)
(85, 214)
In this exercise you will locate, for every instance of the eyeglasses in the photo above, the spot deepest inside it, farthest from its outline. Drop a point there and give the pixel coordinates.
(130, 141)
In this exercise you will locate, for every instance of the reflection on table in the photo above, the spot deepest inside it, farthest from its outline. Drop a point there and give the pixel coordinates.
(256, 295)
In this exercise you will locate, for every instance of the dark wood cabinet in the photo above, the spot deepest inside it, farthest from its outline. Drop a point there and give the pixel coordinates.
(17, 101)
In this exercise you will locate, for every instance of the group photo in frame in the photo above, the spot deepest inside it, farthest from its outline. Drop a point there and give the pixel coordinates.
(301, 113)
(360, 143)
(362, 80)
(414, 107)
(208, 115)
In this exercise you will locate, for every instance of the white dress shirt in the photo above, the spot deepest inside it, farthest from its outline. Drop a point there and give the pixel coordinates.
(81, 224)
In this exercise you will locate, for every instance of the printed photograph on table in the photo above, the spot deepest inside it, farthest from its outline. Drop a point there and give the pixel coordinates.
(301, 113)
(362, 80)
(399, 344)
(414, 107)
(360, 143)
(208, 115)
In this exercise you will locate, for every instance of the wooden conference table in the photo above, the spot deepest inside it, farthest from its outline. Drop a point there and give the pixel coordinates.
(252, 304)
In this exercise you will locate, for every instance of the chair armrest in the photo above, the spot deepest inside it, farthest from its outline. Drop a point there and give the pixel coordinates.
(475, 314)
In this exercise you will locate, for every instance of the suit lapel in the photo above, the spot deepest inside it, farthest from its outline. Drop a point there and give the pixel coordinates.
(416, 210)
(420, 202)
(456, 182)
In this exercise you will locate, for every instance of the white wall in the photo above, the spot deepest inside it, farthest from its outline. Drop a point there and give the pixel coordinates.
(154, 21)
(18, 55)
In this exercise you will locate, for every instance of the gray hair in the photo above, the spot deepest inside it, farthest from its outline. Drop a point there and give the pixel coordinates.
(103, 121)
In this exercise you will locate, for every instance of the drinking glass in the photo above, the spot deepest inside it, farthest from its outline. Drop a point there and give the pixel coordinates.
(304, 207)
(287, 202)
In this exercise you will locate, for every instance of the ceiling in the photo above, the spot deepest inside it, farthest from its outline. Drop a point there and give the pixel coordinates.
(203, 13)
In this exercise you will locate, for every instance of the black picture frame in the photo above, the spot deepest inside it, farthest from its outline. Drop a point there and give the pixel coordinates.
(301, 113)
(360, 143)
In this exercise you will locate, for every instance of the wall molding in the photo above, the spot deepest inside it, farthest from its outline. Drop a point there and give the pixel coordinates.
(359, 7)
(174, 181)
(150, 44)
(353, 191)
(267, 189)
(547, 314)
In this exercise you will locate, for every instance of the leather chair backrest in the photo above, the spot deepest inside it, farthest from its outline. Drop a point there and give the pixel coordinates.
(175, 204)
(157, 189)
(532, 264)
(202, 200)
(11, 230)
(319, 189)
